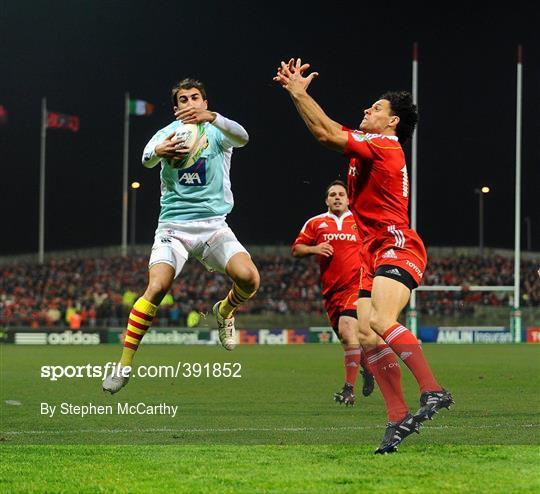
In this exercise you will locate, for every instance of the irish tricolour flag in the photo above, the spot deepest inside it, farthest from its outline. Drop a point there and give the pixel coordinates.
(140, 107)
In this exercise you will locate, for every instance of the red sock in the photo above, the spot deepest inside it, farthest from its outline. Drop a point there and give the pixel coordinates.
(382, 363)
(352, 363)
(405, 344)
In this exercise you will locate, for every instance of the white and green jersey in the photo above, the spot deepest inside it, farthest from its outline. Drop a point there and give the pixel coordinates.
(204, 189)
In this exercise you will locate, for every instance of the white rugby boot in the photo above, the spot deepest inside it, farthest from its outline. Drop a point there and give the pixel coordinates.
(116, 380)
(227, 333)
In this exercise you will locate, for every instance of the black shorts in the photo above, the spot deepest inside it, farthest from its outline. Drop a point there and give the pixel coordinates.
(395, 273)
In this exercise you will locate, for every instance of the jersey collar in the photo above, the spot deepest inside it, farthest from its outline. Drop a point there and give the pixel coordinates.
(339, 221)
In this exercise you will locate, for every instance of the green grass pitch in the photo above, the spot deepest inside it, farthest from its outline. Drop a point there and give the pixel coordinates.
(275, 429)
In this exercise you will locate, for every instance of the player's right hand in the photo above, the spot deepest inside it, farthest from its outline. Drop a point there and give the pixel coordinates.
(171, 148)
(291, 77)
(325, 249)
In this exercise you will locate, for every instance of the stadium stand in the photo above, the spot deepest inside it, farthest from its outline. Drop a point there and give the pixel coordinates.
(101, 289)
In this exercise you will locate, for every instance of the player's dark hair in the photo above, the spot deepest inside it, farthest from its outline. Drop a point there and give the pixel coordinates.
(401, 105)
(187, 83)
(335, 182)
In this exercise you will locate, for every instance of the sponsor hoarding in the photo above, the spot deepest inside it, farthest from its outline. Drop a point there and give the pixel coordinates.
(533, 335)
(285, 336)
(23, 336)
(466, 334)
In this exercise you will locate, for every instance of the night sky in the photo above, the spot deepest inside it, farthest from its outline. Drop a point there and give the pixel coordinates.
(83, 56)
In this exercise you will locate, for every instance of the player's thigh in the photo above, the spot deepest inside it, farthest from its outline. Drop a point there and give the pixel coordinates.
(167, 259)
(348, 330)
(241, 269)
(168, 249)
(160, 279)
(388, 299)
(225, 254)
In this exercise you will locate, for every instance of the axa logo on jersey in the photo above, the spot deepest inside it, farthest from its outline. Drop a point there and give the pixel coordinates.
(190, 179)
(339, 236)
(195, 175)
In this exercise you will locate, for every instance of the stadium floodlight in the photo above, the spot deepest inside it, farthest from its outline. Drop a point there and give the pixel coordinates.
(481, 192)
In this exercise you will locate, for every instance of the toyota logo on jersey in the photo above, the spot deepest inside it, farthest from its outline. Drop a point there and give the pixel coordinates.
(339, 236)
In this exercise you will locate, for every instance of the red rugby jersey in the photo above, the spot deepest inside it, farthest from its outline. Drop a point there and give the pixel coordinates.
(343, 268)
(377, 182)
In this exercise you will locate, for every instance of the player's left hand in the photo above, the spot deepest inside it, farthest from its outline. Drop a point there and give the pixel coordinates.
(291, 75)
(192, 115)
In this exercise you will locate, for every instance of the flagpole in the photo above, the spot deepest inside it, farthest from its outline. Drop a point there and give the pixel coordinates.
(41, 248)
(125, 177)
(413, 320)
(414, 154)
(517, 219)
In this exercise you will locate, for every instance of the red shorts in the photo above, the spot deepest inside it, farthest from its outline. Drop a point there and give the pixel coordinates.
(342, 303)
(396, 253)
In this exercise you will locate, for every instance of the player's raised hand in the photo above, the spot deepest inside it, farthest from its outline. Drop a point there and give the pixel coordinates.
(291, 75)
(190, 115)
(172, 148)
(324, 249)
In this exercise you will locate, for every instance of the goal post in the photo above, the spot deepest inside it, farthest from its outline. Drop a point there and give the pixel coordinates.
(515, 317)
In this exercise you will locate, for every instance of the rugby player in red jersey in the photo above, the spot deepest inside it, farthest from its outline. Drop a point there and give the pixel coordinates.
(393, 255)
(333, 238)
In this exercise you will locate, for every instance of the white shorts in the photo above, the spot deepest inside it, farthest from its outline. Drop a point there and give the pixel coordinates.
(210, 241)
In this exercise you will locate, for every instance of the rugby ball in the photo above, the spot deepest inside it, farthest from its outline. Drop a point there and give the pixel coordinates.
(194, 137)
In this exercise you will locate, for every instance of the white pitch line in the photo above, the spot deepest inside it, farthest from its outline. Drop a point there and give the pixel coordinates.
(254, 429)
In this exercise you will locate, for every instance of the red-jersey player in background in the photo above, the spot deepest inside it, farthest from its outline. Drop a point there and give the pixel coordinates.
(393, 255)
(333, 238)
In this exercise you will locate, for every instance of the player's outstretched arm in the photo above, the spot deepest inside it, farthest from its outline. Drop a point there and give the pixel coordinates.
(328, 132)
(324, 249)
(236, 136)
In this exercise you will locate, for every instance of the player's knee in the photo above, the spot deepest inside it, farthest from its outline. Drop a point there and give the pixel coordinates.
(378, 322)
(156, 290)
(363, 326)
(348, 335)
(349, 340)
(367, 338)
(255, 279)
(248, 278)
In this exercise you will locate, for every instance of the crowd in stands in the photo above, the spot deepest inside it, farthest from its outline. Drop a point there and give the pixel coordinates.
(466, 271)
(76, 292)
